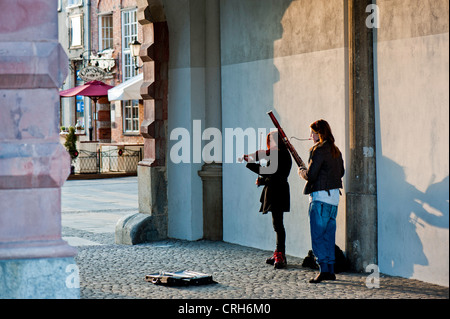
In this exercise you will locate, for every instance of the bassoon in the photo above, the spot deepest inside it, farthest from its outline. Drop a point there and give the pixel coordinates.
(288, 144)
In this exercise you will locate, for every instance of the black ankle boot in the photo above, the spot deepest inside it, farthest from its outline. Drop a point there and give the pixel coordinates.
(319, 278)
(271, 260)
(280, 260)
(323, 275)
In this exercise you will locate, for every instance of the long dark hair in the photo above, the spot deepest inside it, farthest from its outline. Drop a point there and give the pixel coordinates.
(278, 139)
(323, 129)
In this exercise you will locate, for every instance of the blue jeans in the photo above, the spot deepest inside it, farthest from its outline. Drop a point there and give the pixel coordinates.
(322, 218)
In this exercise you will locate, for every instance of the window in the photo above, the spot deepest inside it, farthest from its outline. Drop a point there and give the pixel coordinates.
(72, 3)
(131, 116)
(129, 33)
(75, 31)
(105, 32)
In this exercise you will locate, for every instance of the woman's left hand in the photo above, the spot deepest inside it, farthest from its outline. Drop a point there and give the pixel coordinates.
(244, 158)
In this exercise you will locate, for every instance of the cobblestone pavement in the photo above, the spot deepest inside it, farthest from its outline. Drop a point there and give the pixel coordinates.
(110, 271)
(115, 271)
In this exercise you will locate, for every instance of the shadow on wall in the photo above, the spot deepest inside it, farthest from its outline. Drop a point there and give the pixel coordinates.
(403, 211)
(248, 32)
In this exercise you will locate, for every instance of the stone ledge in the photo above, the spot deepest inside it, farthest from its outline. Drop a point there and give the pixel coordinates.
(42, 165)
(25, 65)
(36, 249)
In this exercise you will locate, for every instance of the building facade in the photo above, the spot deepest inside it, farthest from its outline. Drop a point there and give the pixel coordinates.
(378, 73)
(73, 26)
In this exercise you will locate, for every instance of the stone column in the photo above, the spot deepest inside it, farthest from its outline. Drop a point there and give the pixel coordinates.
(34, 261)
(361, 217)
(211, 172)
(151, 221)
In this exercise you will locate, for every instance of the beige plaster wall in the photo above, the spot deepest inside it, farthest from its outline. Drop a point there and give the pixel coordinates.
(289, 57)
(412, 67)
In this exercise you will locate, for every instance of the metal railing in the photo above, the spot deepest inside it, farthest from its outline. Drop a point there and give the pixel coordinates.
(108, 159)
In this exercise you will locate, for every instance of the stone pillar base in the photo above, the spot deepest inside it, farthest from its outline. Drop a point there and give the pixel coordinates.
(211, 175)
(139, 228)
(361, 231)
(150, 224)
(43, 278)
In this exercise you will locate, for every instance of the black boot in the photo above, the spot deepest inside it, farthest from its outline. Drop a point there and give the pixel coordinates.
(271, 260)
(280, 260)
(323, 275)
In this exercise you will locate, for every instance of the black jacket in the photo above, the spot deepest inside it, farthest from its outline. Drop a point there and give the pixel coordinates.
(275, 195)
(324, 172)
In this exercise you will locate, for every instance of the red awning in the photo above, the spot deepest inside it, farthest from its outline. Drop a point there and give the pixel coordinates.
(90, 89)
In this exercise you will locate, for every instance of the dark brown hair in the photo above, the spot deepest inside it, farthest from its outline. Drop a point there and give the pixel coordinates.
(323, 129)
(277, 137)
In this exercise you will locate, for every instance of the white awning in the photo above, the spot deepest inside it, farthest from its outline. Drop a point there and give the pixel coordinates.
(128, 90)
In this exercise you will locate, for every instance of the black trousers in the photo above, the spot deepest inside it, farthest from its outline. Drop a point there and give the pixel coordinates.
(278, 227)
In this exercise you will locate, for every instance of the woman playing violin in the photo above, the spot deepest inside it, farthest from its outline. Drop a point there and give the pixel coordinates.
(275, 196)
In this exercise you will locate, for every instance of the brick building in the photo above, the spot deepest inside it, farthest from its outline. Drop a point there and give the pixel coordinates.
(113, 26)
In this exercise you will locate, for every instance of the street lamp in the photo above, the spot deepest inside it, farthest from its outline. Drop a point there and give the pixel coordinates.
(135, 48)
